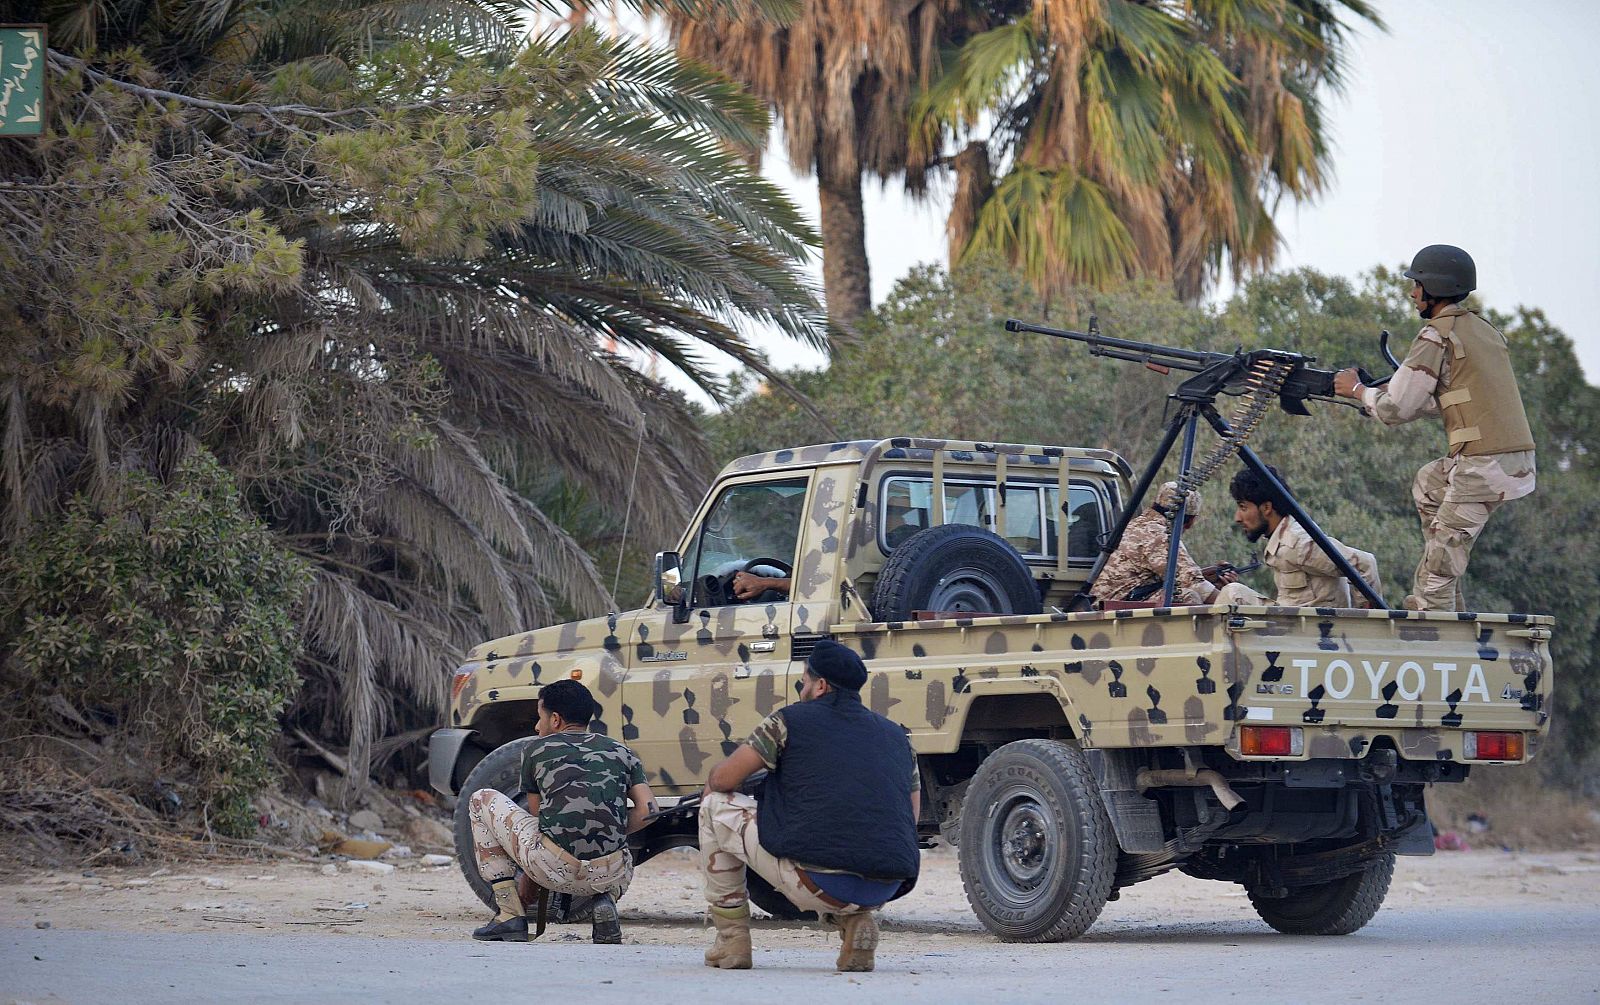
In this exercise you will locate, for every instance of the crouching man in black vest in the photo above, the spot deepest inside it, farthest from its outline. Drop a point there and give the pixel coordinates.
(835, 826)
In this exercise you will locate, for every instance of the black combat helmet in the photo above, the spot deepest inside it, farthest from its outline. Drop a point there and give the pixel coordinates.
(1444, 270)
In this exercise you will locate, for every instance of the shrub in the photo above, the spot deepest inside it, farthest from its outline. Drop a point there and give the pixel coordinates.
(164, 615)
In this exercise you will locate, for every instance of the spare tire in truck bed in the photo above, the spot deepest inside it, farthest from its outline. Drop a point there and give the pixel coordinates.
(955, 567)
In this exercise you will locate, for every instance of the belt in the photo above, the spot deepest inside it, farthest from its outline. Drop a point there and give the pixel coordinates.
(582, 864)
(816, 891)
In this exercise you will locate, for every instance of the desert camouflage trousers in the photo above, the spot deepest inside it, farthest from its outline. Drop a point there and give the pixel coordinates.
(505, 836)
(729, 844)
(1450, 527)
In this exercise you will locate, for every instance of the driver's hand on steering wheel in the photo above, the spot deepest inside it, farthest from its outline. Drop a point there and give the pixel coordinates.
(748, 585)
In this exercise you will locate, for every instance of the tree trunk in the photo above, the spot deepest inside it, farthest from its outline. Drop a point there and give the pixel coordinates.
(974, 186)
(845, 279)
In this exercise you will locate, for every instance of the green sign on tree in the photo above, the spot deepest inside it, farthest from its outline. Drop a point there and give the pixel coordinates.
(22, 56)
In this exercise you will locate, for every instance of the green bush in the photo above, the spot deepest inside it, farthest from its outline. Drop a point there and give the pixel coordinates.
(165, 616)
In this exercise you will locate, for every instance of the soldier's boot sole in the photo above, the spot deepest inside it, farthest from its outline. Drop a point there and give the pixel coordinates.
(732, 950)
(859, 933)
(607, 928)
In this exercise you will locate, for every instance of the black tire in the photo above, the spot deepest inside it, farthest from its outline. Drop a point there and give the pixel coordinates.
(954, 568)
(767, 897)
(1339, 907)
(1037, 852)
(501, 770)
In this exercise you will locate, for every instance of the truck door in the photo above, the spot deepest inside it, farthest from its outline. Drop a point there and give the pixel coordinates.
(695, 690)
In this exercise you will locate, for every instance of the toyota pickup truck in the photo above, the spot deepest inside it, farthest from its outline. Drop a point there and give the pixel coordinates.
(1066, 753)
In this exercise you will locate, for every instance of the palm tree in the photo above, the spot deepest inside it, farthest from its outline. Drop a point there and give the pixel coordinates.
(376, 278)
(841, 76)
(1130, 138)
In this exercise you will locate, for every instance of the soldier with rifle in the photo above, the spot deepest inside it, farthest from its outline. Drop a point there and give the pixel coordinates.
(1459, 367)
(1140, 561)
(573, 837)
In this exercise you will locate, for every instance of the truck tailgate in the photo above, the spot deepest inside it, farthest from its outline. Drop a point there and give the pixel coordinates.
(1422, 679)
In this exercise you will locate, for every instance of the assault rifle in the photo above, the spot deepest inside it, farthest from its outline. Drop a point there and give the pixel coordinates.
(1211, 572)
(1258, 377)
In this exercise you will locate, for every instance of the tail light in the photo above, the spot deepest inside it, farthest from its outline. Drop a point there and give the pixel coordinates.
(1271, 741)
(1492, 746)
(458, 683)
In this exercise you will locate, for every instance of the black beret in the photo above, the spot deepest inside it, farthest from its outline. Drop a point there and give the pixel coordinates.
(837, 665)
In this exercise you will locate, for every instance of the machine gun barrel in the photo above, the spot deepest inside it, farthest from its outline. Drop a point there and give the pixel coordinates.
(1131, 350)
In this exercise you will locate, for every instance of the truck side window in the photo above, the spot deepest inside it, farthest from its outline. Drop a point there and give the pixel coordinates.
(747, 522)
(1031, 528)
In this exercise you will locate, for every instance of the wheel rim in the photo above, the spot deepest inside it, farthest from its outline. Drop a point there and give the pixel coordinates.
(1025, 842)
(969, 591)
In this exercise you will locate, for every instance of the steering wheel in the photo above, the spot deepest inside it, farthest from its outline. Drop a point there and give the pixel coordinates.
(725, 583)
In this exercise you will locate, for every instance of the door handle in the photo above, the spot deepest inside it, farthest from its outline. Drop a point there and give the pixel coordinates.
(763, 647)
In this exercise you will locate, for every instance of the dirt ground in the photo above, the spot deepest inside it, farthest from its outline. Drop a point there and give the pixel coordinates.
(664, 907)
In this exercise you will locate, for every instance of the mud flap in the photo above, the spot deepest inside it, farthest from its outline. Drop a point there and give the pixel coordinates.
(1416, 839)
(1135, 819)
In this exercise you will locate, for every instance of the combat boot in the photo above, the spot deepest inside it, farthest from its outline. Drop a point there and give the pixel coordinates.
(859, 933)
(510, 924)
(607, 928)
(732, 950)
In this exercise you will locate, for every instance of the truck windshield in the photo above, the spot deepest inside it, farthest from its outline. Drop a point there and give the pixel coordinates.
(751, 521)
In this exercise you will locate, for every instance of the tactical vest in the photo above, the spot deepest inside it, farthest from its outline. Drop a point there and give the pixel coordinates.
(1481, 406)
(840, 797)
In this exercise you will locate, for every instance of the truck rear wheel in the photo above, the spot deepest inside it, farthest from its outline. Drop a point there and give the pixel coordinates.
(954, 568)
(1038, 855)
(501, 770)
(1338, 907)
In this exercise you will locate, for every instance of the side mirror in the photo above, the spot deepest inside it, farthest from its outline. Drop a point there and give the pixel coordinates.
(670, 586)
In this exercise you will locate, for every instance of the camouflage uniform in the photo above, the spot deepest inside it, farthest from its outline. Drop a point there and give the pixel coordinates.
(579, 841)
(1303, 575)
(730, 842)
(1141, 557)
(1454, 495)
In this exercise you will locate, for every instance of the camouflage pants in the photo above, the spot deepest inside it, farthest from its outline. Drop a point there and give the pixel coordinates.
(1450, 528)
(730, 843)
(505, 837)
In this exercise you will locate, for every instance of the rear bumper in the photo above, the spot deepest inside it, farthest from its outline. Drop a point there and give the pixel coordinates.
(444, 747)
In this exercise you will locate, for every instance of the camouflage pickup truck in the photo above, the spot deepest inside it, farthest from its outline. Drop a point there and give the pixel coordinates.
(1067, 755)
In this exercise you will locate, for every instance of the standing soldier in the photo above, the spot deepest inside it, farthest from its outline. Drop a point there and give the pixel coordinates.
(835, 826)
(573, 838)
(1459, 367)
(1141, 556)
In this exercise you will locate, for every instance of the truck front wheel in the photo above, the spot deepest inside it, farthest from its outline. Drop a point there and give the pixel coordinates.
(1338, 907)
(1038, 855)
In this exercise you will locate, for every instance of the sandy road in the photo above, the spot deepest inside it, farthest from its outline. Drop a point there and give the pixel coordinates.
(1456, 926)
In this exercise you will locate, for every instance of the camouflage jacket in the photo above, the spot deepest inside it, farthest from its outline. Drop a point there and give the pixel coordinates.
(582, 781)
(1305, 577)
(1141, 558)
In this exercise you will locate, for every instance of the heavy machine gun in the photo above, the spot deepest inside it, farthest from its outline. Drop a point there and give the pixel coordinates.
(1258, 377)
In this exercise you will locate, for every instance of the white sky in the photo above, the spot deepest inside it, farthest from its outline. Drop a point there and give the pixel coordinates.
(1471, 122)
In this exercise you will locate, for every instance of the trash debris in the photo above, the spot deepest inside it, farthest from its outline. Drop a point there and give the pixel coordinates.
(330, 870)
(361, 848)
(213, 883)
(369, 866)
(1419, 887)
(398, 851)
(433, 860)
(1477, 823)
(1450, 841)
(41, 924)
